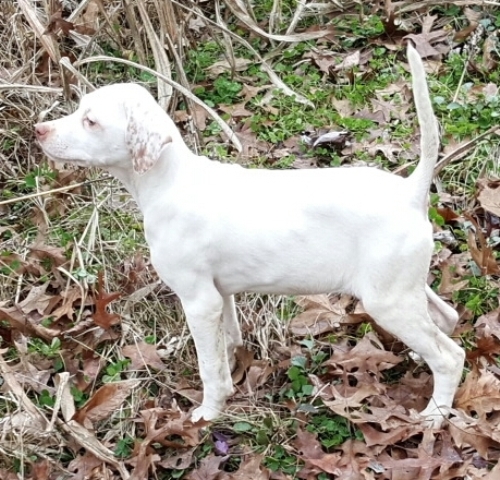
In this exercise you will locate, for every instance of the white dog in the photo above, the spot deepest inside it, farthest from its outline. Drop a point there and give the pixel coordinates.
(216, 229)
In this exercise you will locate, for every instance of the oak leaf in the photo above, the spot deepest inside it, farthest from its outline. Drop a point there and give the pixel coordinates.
(251, 468)
(479, 393)
(105, 401)
(311, 452)
(102, 317)
(321, 316)
(143, 354)
(208, 469)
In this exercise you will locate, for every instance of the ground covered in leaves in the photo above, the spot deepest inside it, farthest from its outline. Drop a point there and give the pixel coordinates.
(97, 370)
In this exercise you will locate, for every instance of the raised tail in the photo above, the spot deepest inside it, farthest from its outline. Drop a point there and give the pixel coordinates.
(421, 178)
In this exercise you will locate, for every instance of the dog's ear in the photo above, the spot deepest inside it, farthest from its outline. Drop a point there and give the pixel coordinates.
(146, 135)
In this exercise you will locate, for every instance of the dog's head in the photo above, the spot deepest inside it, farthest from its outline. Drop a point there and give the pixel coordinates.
(115, 126)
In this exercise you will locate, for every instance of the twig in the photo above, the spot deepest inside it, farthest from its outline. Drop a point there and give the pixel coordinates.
(49, 192)
(457, 153)
(462, 149)
(461, 81)
(30, 88)
(411, 5)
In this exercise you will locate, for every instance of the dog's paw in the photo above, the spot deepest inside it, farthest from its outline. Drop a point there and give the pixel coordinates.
(434, 417)
(204, 413)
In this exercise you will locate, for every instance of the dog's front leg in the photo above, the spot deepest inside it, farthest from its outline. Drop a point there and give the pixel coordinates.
(204, 317)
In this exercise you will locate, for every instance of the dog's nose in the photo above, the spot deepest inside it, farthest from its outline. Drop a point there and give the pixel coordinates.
(41, 131)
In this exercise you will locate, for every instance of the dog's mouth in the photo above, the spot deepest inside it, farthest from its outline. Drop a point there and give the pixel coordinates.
(60, 159)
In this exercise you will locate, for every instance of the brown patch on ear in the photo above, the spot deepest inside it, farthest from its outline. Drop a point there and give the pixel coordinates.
(144, 140)
(147, 154)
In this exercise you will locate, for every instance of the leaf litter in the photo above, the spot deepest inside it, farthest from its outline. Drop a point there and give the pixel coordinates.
(97, 368)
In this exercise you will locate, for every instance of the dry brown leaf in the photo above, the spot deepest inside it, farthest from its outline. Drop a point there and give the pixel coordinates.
(57, 25)
(367, 114)
(356, 457)
(197, 115)
(101, 316)
(142, 464)
(92, 366)
(482, 254)
(424, 42)
(373, 436)
(453, 269)
(90, 18)
(86, 467)
(25, 325)
(180, 461)
(244, 359)
(311, 452)
(258, 373)
(351, 406)
(490, 61)
(41, 251)
(251, 468)
(349, 62)
(368, 355)
(15, 263)
(465, 432)
(343, 107)
(489, 195)
(479, 393)
(41, 470)
(8, 475)
(473, 17)
(37, 420)
(487, 328)
(31, 378)
(236, 110)
(67, 309)
(143, 354)
(21, 423)
(324, 60)
(208, 469)
(223, 66)
(389, 151)
(106, 401)
(173, 423)
(37, 300)
(321, 316)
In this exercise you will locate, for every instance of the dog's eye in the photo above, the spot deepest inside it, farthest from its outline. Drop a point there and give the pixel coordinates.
(89, 122)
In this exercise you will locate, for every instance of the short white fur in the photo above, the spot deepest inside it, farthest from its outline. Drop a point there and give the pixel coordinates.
(215, 230)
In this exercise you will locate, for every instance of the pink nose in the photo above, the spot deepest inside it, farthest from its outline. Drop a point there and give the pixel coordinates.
(41, 131)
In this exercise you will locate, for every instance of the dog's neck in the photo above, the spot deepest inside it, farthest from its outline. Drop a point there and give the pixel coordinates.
(159, 177)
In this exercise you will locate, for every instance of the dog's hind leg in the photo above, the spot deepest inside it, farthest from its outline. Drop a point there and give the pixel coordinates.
(444, 316)
(203, 308)
(404, 314)
(231, 329)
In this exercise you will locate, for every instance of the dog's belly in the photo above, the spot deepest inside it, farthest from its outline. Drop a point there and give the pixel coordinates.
(307, 284)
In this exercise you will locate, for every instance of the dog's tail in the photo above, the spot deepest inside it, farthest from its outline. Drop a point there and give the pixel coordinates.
(421, 177)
